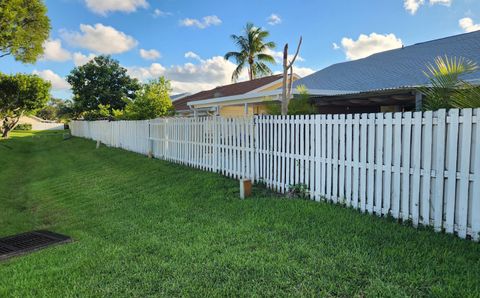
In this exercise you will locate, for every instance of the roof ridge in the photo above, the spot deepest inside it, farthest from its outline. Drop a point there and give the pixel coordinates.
(404, 47)
(247, 81)
(442, 38)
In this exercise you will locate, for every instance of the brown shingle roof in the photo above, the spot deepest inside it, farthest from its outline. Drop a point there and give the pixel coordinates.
(227, 90)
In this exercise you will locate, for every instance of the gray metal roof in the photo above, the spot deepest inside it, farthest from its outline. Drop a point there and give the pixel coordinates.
(396, 68)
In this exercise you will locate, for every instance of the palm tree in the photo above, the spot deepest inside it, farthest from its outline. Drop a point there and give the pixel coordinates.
(447, 89)
(253, 47)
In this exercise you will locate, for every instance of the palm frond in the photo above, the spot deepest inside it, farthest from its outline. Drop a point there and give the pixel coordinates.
(238, 71)
(262, 69)
(266, 58)
(239, 57)
(466, 97)
(446, 88)
(270, 45)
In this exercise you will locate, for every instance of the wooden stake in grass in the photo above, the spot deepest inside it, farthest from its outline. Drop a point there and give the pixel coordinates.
(245, 188)
(98, 144)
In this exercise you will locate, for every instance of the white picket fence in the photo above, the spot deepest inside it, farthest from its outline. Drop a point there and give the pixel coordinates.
(423, 167)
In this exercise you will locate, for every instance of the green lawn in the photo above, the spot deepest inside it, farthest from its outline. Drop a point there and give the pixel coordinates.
(146, 227)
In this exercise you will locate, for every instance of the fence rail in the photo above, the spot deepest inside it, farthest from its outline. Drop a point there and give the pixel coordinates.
(423, 167)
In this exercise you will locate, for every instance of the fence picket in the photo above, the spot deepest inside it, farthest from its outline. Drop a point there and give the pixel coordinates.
(452, 170)
(462, 201)
(363, 162)
(318, 177)
(379, 146)
(356, 161)
(335, 159)
(427, 167)
(341, 160)
(388, 150)
(371, 164)
(348, 161)
(475, 209)
(417, 154)
(439, 172)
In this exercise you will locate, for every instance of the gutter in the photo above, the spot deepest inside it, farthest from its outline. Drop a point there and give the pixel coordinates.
(277, 94)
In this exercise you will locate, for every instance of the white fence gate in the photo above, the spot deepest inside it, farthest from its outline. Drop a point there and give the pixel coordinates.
(423, 167)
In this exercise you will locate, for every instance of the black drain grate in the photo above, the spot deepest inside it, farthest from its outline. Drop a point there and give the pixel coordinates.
(28, 242)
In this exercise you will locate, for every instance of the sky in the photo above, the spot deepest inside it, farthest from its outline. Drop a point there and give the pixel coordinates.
(185, 40)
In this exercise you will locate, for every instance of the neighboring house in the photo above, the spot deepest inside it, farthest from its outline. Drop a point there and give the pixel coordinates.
(239, 99)
(179, 96)
(386, 81)
(41, 124)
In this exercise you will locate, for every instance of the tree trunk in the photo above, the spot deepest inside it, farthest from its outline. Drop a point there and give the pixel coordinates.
(5, 134)
(250, 70)
(284, 81)
(7, 127)
(287, 85)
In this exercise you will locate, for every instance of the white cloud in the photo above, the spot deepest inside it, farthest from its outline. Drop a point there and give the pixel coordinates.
(100, 39)
(80, 59)
(203, 23)
(468, 25)
(303, 71)
(103, 7)
(54, 51)
(192, 55)
(190, 77)
(274, 19)
(335, 46)
(150, 54)
(367, 45)
(412, 6)
(58, 83)
(160, 13)
(278, 56)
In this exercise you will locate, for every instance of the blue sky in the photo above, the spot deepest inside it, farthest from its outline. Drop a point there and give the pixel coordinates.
(185, 40)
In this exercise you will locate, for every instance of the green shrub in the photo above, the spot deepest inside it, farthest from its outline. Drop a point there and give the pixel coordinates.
(25, 126)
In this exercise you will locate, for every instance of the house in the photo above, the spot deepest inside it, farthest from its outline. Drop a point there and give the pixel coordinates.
(243, 98)
(40, 124)
(386, 81)
(179, 96)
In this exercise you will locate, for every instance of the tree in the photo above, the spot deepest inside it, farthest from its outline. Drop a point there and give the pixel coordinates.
(65, 110)
(152, 101)
(102, 81)
(20, 94)
(288, 79)
(447, 89)
(24, 26)
(103, 112)
(49, 112)
(300, 105)
(253, 47)
(56, 109)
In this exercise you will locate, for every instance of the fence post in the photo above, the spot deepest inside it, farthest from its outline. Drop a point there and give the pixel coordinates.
(476, 182)
(150, 141)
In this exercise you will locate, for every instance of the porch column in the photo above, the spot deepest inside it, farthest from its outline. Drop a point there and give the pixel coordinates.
(418, 101)
(246, 109)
